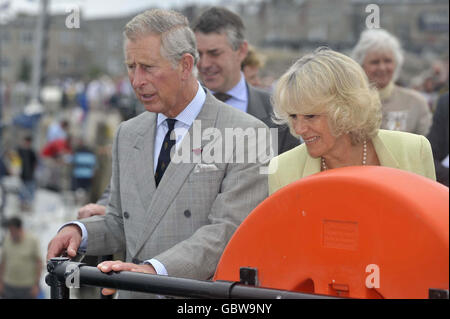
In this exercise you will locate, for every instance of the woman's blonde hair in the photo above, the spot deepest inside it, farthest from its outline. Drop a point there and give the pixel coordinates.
(329, 82)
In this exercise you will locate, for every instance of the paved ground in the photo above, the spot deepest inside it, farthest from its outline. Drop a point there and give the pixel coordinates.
(51, 209)
(49, 212)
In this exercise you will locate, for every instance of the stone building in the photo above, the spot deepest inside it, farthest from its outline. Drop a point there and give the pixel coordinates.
(295, 25)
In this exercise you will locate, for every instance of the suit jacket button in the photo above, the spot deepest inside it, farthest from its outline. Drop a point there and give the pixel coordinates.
(187, 213)
(126, 215)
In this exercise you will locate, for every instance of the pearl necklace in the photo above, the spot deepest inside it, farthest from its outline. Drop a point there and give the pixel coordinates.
(324, 165)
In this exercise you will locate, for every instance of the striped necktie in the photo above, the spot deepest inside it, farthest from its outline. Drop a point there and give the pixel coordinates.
(164, 154)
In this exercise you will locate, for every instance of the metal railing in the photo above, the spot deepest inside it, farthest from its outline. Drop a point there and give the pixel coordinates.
(62, 273)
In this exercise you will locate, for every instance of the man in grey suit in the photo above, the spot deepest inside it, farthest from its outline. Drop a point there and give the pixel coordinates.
(173, 215)
(222, 48)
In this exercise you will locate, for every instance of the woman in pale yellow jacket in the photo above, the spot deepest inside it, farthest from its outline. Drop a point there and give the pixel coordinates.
(326, 98)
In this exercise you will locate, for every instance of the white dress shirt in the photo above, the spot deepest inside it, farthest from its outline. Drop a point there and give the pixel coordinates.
(182, 125)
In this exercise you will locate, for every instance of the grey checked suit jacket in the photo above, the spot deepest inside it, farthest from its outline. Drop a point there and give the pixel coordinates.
(187, 221)
(259, 106)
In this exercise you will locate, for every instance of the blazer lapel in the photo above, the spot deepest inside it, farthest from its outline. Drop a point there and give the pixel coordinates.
(143, 161)
(384, 154)
(176, 173)
(255, 106)
(312, 166)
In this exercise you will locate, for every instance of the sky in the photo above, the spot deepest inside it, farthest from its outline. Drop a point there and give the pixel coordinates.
(104, 8)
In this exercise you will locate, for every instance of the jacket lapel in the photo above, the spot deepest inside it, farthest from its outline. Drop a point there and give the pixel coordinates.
(384, 154)
(255, 106)
(312, 166)
(176, 173)
(143, 161)
(386, 158)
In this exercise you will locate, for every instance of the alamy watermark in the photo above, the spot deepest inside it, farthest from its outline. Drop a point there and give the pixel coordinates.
(72, 275)
(373, 279)
(373, 19)
(210, 146)
(73, 19)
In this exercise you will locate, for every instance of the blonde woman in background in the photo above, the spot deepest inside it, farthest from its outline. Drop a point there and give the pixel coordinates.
(326, 98)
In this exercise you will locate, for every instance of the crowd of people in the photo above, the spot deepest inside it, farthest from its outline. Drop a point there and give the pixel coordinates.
(69, 106)
(329, 110)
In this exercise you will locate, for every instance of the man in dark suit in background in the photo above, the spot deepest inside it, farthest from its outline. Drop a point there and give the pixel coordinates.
(222, 48)
(438, 137)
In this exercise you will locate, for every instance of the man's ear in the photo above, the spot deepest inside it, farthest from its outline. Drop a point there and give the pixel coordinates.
(243, 50)
(186, 65)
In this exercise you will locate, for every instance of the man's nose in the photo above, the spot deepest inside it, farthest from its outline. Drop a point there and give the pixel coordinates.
(204, 62)
(138, 78)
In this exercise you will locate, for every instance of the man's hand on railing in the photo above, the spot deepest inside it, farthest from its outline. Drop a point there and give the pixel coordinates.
(118, 265)
(67, 240)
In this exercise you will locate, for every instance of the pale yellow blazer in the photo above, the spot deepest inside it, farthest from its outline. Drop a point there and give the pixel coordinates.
(406, 151)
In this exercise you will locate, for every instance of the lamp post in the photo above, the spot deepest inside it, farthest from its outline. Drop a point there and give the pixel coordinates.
(3, 7)
(1, 86)
(36, 75)
(34, 106)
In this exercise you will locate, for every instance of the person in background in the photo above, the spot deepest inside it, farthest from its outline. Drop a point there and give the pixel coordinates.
(28, 161)
(439, 139)
(56, 156)
(20, 265)
(4, 170)
(326, 99)
(381, 56)
(251, 65)
(83, 167)
(58, 130)
(222, 49)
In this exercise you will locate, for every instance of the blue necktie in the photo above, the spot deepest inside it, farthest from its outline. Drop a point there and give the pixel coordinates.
(164, 154)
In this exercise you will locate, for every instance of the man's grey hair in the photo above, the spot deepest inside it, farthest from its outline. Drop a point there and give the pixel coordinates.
(378, 39)
(221, 20)
(176, 36)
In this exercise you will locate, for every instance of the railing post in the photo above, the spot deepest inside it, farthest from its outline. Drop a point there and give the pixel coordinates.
(58, 289)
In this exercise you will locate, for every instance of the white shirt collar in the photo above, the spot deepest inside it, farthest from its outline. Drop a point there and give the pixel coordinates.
(190, 112)
(239, 91)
